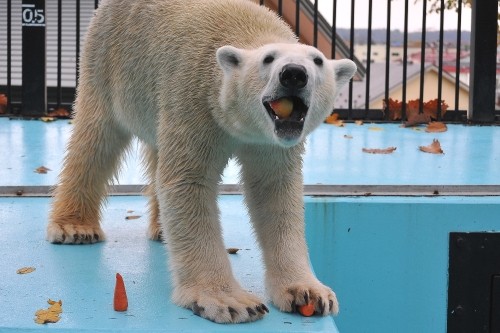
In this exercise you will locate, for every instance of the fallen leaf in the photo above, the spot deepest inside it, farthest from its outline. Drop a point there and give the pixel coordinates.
(393, 109)
(416, 118)
(232, 250)
(25, 270)
(374, 128)
(130, 211)
(59, 112)
(436, 127)
(50, 315)
(431, 107)
(42, 170)
(388, 150)
(347, 136)
(47, 119)
(3, 104)
(132, 217)
(333, 119)
(433, 148)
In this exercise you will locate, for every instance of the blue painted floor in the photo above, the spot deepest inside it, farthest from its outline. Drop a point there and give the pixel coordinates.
(471, 155)
(83, 276)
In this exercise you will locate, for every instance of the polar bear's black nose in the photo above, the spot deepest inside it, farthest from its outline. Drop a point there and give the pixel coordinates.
(293, 76)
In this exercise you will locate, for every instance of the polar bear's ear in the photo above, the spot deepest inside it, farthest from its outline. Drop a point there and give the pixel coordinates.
(229, 57)
(344, 70)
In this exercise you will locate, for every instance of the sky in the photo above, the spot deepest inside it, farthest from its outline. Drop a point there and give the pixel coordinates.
(379, 18)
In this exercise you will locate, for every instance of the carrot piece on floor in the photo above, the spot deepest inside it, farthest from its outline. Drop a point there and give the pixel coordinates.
(120, 301)
(307, 310)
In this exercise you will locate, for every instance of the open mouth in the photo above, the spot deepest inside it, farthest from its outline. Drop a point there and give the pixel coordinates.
(288, 114)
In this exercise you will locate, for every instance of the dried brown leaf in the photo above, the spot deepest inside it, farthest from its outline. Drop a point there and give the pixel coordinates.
(132, 217)
(232, 250)
(50, 315)
(59, 112)
(333, 119)
(42, 170)
(25, 270)
(433, 148)
(436, 127)
(387, 150)
(347, 136)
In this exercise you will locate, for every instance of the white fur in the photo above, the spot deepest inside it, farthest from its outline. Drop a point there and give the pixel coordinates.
(188, 79)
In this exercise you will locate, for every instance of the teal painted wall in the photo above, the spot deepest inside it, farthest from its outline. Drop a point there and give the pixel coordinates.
(387, 258)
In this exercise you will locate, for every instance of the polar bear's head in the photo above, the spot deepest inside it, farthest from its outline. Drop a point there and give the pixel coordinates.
(277, 93)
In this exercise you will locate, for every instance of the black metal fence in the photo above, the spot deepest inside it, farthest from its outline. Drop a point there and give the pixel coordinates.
(29, 89)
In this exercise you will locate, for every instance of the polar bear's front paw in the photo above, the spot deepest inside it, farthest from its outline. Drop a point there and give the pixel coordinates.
(236, 306)
(287, 298)
(68, 233)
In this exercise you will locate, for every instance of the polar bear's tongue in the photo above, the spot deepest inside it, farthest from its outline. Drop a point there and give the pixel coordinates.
(283, 107)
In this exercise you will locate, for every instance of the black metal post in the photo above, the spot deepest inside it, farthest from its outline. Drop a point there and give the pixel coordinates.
(334, 28)
(34, 52)
(368, 57)
(483, 61)
(387, 58)
(9, 56)
(422, 57)
(59, 53)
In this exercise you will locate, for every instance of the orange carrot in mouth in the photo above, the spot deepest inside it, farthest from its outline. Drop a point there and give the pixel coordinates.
(120, 301)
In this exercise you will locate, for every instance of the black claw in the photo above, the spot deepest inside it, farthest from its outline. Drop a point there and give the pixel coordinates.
(96, 237)
(293, 305)
(264, 307)
(306, 297)
(63, 238)
(251, 312)
(321, 306)
(260, 309)
(75, 238)
(232, 312)
(197, 310)
(331, 306)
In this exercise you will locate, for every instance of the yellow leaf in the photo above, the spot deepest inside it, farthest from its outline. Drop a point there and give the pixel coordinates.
(25, 270)
(49, 315)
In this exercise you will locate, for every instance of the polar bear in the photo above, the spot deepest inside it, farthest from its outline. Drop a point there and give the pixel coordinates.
(199, 82)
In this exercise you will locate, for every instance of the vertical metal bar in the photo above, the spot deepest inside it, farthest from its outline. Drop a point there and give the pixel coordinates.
(387, 57)
(280, 7)
(368, 57)
(422, 57)
(315, 34)
(457, 60)
(262, 2)
(77, 22)
(96, 4)
(483, 61)
(351, 56)
(297, 18)
(334, 28)
(440, 65)
(405, 62)
(9, 56)
(59, 52)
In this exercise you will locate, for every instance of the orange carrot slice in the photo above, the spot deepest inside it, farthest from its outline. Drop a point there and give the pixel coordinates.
(306, 310)
(120, 301)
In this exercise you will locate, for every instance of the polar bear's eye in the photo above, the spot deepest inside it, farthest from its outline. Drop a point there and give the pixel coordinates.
(269, 59)
(318, 61)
